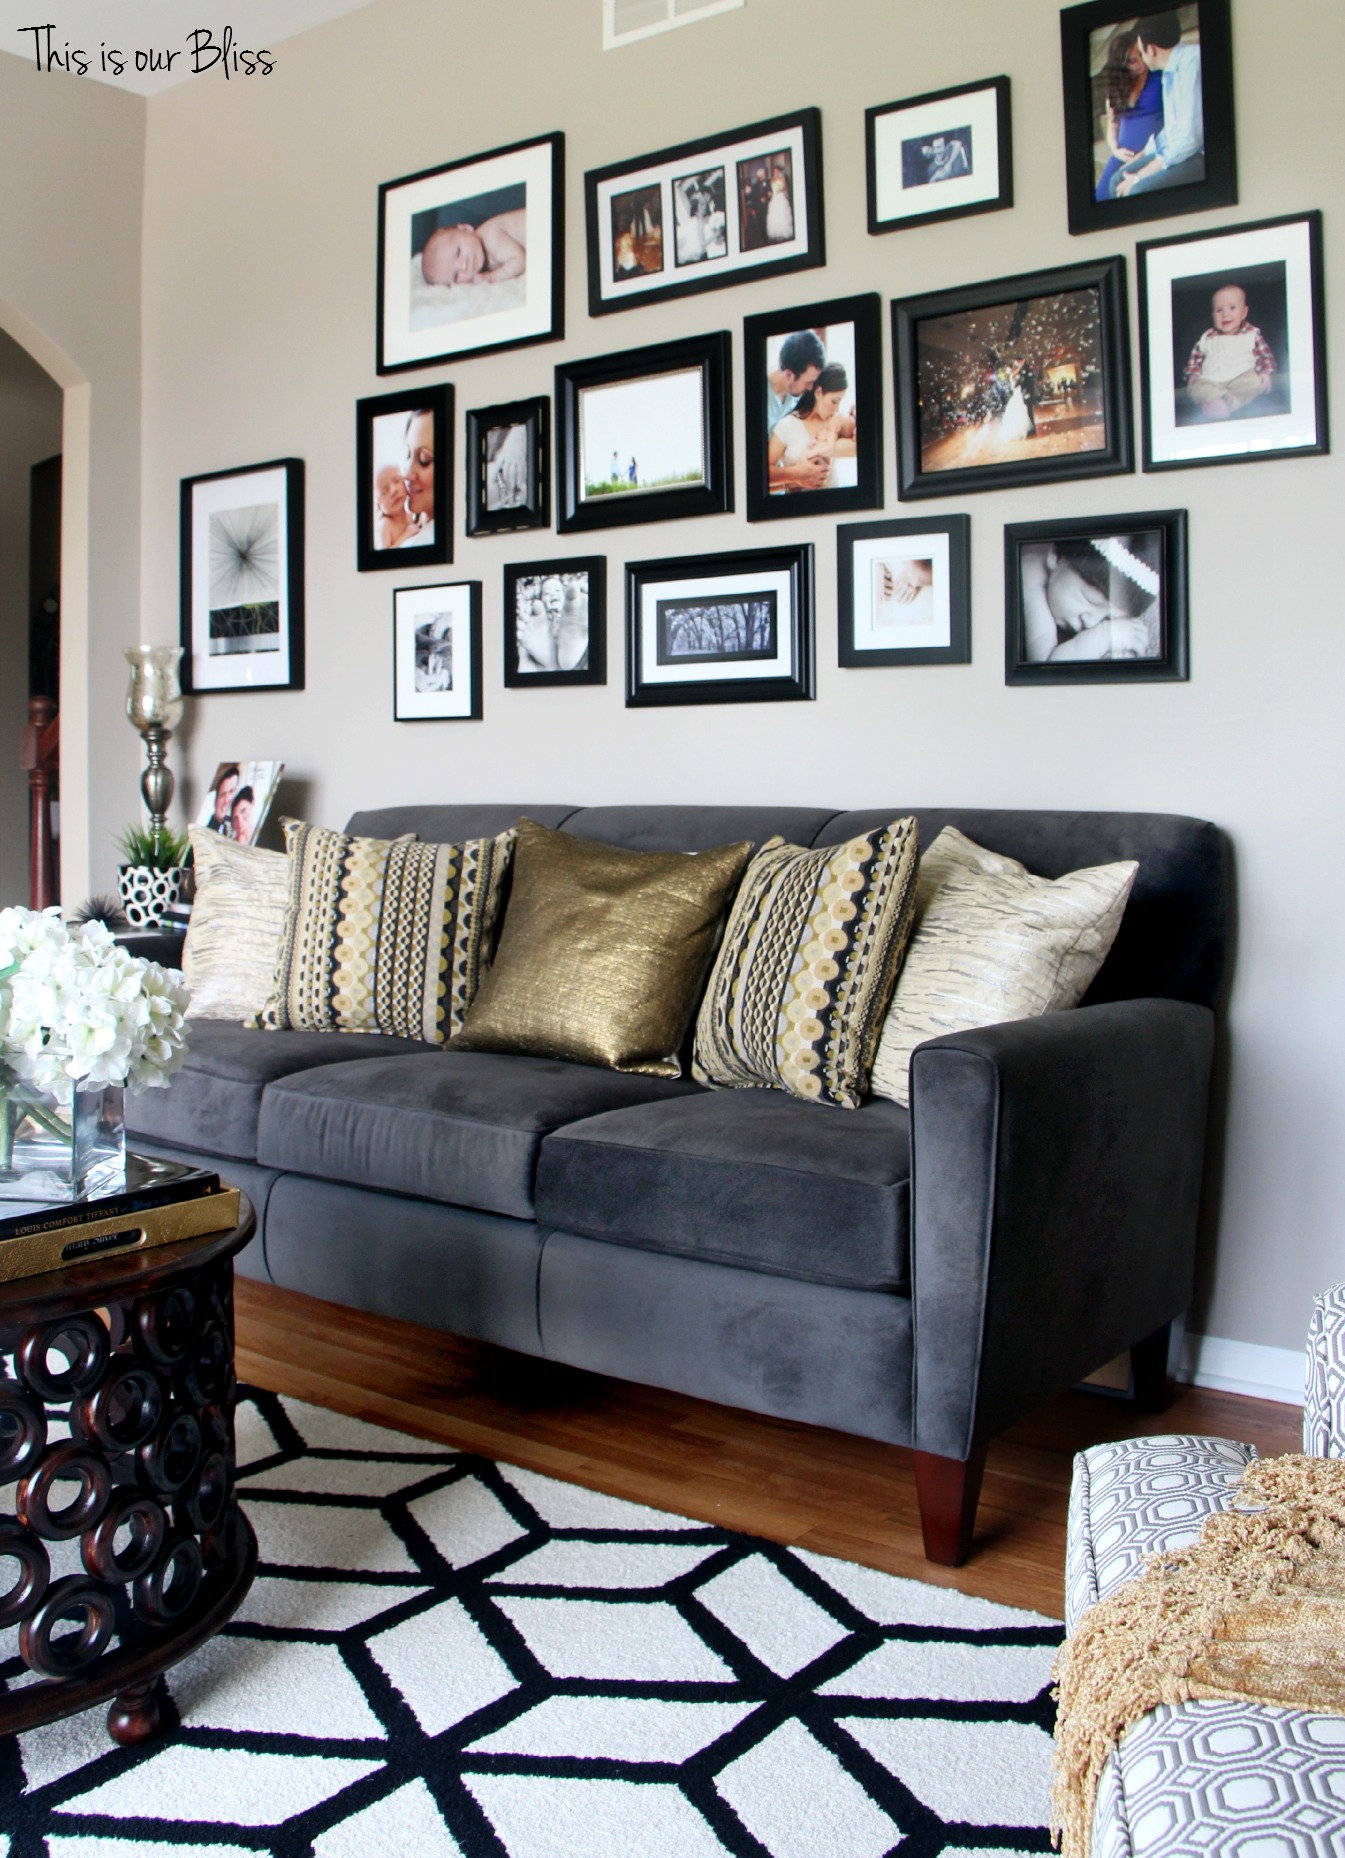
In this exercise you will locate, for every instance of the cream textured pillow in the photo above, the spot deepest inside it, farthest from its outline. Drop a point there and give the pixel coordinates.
(991, 943)
(229, 956)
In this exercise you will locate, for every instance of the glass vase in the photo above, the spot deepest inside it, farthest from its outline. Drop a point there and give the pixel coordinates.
(52, 1153)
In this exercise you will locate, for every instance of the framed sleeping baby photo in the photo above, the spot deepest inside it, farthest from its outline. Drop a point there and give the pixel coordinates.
(471, 256)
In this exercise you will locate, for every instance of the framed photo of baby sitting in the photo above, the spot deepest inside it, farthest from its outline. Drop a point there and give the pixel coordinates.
(404, 478)
(1232, 364)
(1094, 600)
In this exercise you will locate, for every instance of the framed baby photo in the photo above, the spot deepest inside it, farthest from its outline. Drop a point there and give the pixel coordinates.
(904, 592)
(436, 653)
(1022, 381)
(242, 578)
(645, 436)
(509, 467)
(404, 478)
(1148, 112)
(745, 204)
(471, 256)
(814, 400)
(733, 628)
(555, 622)
(1232, 357)
(1096, 601)
(941, 156)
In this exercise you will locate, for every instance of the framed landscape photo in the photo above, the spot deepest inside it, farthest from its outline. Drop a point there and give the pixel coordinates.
(1148, 111)
(941, 156)
(242, 578)
(404, 478)
(814, 402)
(1094, 600)
(644, 436)
(733, 628)
(471, 256)
(436, 653)
(904, 591)
(1022, 381)
(509, 467)
(718, 211)
(555, 622)
(1232, 357)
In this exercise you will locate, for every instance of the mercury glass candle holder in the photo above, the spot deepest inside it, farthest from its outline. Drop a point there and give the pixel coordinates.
(154, 703)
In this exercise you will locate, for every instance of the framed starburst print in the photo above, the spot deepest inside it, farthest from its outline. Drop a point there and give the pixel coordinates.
(243, 578)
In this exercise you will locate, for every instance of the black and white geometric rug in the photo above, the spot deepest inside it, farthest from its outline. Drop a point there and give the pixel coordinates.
(443, 1657)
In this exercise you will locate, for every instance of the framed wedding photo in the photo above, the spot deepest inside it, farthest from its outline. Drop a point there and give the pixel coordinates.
(732, 628)
(555, 622)
(1232, 358)
(242, 578)
(509, 467)
(645, 436)
(1095, 600)
(904, 591)
(1022, 381)
(814, 403)
(941, 156)
(471, 256)
(1148, 112)
(436, 653)
(404, 478)
(718, 211)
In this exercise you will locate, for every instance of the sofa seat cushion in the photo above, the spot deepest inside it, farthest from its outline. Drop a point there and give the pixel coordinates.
(753, 1178)
(213, 1102)
(463, 1128)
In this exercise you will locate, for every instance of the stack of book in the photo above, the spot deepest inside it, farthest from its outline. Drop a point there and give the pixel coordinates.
(162, 1202)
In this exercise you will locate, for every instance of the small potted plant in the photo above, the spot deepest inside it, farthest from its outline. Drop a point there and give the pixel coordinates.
(151, 878)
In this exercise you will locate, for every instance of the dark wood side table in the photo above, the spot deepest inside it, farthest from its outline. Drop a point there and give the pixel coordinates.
(140, 1351)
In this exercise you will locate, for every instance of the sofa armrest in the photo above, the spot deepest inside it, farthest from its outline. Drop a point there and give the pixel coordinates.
(1324, 1401)
(1056, 1174)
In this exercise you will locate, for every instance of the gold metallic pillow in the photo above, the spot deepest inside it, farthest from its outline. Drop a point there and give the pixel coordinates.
(603, 951)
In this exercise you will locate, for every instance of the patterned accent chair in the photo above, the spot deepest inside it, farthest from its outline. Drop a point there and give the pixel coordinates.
(1224, 1780)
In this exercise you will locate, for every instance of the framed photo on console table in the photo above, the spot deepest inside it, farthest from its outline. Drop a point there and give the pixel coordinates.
(436, 653)
(404, 478)
(904, 591)
(509, 467)
(555, 622)
(941, 156)
(733, 628)
(242, 578)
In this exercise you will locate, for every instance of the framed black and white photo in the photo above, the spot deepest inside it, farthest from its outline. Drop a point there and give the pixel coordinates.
(1148, 112)
(814, 402)
(242, 578)
(404, 478)
(718, 211)
(644, 436)
(733, 628)
(1232, 359)
(904, 591)
(509, 467)
(471, 256)
(436, 653)
(1094, 600)
(941, 156)
(1025, 380)
(555, 622)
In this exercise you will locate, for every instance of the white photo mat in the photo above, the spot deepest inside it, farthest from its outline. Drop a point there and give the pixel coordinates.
(702, 590)
(414, 607)
(977, 110)
(882, 625)
(218, 496)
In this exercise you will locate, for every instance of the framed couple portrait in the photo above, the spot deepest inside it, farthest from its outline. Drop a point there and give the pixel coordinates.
(509, 467)
(404, 478)
(555, 622)
(904, 592)
(945, 155)
(731, 628)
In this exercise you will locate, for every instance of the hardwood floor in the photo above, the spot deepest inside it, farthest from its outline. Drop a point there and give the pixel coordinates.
(824, 1491)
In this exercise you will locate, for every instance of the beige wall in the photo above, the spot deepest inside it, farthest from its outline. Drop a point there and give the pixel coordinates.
(259, 336)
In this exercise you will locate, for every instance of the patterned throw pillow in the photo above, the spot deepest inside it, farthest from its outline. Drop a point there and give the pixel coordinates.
(237, 920)
(991, 943)
(384, 935)
(797, 997)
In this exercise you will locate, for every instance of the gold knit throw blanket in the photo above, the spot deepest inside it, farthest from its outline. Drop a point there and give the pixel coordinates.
(1253, 1610)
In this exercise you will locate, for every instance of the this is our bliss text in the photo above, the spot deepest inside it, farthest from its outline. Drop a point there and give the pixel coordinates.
(203, 52)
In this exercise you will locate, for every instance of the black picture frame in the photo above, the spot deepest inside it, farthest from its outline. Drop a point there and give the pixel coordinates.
(1146, 587)
(959, 355)
(382, 432)
(928, 621)
(433, 629)
(1277, 265)
(690, 218)
(770, 657)
(533, 582)
(854, 326)
(944, 155)
(1085, 33)
(417, 328)
(662, 398)
(508, 467)
(245, 631)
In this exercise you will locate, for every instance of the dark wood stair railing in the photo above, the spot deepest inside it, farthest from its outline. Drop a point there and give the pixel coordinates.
(39, 755)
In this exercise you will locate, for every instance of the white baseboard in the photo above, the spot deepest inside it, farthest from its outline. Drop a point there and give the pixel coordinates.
(1243, 1368)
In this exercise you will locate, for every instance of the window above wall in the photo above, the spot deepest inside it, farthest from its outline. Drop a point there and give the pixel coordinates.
(624, 21)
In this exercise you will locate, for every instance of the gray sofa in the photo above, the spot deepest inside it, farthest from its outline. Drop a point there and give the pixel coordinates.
(924, 1277)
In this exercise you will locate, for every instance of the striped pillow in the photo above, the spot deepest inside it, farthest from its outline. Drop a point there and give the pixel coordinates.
(237, 920)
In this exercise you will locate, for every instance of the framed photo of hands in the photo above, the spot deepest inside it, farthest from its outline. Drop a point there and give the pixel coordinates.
(904, 591)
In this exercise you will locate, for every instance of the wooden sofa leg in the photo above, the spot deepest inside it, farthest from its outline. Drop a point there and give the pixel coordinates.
(1154, 1383)
(948, 1490)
